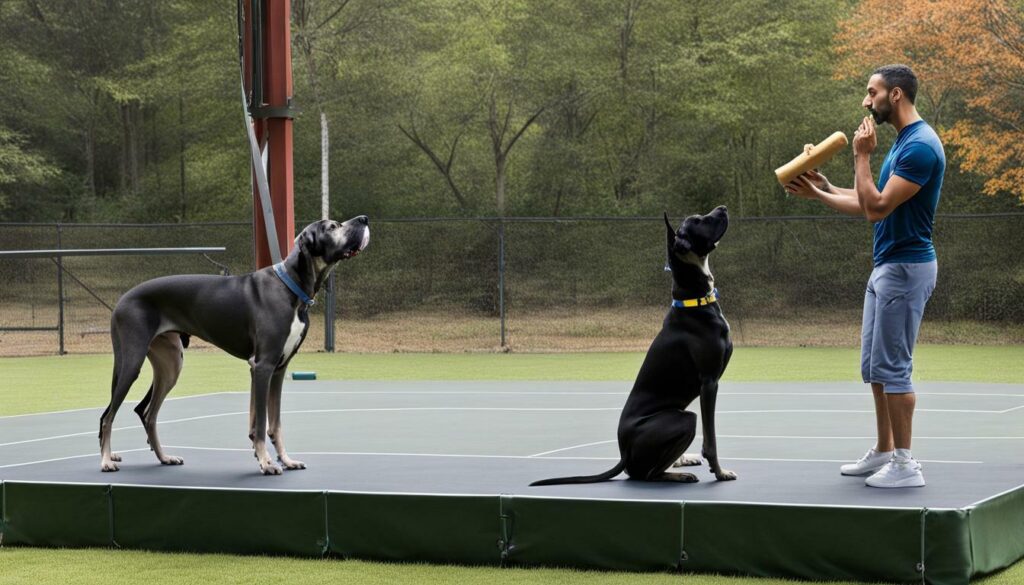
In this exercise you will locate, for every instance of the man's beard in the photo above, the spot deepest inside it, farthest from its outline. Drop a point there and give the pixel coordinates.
(881, 116)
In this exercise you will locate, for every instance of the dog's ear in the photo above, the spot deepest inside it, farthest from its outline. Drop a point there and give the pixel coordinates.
(307, 241)
(675, 243)
(671, 232)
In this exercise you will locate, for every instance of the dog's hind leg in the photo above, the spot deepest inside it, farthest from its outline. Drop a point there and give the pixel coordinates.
(166, 356)
(274, 430)
(129, 353)
(659, 442)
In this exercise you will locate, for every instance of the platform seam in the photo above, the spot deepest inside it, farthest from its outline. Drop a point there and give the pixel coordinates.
(683, 557)
(109, 493)
(505, 519)
(920, 565)
(327, 528)
(970, 543)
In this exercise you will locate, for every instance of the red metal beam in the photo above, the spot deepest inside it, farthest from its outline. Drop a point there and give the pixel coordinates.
(273, 131)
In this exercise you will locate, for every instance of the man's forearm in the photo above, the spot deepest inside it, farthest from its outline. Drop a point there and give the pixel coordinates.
(845, 201)
(864, 185)
(843, 191)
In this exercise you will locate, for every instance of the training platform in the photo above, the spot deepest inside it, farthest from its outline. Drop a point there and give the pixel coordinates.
(439, 472)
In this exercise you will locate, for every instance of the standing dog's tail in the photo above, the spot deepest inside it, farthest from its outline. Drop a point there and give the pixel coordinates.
(621, 465)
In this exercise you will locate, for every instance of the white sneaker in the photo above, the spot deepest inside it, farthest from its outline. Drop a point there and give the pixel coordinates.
(897, 474)
(871, 462)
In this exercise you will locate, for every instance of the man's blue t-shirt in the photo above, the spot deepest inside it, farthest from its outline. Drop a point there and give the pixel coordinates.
(905, 235)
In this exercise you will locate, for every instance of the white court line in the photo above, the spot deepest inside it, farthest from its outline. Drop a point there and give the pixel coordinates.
(104, 406)
(484, 409)
(465, 392)
(1002, 493)
(451, 455)
(465, 456)
(454, 408)
(816, 438)
(574, 447)
(558, 393)
(761, 437)
(336, 410)
(96, 432)
(619, 408)
(618, 393)
(66, 458)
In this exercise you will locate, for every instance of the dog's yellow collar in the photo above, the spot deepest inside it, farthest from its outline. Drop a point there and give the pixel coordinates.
(702, 301)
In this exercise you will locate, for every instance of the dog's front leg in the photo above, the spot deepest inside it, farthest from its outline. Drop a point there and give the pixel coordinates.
(708, 395)
(261, 375)
(275, 431)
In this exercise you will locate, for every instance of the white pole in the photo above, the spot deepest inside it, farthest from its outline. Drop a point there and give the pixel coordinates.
(324, 180)
(325, 209)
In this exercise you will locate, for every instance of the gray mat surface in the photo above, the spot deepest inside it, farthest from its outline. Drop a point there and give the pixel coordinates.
(785, 441)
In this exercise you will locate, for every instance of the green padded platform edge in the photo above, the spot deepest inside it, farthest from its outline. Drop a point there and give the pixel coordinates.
(946, 547)
(217, 520)
(56, 514)
(430, 528)
(996, 528)
(807, 542)
(782, 540)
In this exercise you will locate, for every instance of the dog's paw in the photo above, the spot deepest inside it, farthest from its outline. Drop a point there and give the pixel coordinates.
(725, 475)
(292, 464)
(680, 477)
(108, 466)
(171, 460)
(269, 468)
(687, 461)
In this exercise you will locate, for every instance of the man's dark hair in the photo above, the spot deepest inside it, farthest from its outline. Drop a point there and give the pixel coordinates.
(899, 76)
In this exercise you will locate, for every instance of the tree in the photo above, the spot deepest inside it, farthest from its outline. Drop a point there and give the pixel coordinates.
(963, 51)
(20, 166)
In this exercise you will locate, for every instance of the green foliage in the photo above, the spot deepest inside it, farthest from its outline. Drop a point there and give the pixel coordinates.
(126, 111)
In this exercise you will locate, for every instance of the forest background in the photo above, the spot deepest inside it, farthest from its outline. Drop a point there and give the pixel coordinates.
(127, 111)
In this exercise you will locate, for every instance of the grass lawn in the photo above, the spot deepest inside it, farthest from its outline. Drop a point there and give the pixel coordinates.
(40, 384)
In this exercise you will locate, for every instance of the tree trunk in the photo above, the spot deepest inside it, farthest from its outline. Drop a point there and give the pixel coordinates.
(90, 161)
(123, 174)
(182, 201)
(134, 113)
(499, 184)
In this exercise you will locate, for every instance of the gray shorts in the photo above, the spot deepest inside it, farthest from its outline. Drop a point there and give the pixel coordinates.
(893, 306)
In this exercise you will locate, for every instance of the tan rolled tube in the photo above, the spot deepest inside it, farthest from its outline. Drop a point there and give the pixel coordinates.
(818, 155)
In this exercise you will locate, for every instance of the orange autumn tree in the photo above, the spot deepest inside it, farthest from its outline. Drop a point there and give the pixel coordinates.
(964, 51)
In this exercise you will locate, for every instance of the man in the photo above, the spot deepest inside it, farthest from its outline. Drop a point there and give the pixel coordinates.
(902, 209)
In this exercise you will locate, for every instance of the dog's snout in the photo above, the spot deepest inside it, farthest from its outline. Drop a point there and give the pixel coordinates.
(363, 220)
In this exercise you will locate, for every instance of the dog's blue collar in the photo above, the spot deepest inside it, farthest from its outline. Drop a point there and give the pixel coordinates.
(287, 280)
(711, 298)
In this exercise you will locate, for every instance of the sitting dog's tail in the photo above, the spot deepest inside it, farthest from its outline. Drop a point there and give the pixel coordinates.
(621, 465)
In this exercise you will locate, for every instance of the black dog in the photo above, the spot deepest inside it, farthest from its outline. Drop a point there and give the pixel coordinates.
(260, 317)
(685, 361)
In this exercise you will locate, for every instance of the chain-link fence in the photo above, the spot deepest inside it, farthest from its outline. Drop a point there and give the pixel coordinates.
(574, 284)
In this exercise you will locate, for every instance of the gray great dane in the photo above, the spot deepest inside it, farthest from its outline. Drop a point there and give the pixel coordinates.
(260, 317)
